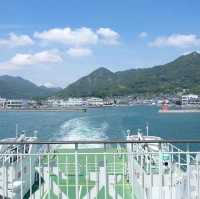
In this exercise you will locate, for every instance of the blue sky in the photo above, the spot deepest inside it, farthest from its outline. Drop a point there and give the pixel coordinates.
(54, 42)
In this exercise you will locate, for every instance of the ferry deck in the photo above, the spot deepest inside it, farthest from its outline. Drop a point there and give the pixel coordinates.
(142, 167)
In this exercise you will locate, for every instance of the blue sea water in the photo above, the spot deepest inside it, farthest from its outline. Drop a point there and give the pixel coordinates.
(101, 123)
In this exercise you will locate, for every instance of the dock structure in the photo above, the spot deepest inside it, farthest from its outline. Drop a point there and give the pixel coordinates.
(180, 111)
(44, 110)
(165, 109)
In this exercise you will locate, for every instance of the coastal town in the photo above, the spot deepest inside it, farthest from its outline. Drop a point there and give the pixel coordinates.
(91, 102)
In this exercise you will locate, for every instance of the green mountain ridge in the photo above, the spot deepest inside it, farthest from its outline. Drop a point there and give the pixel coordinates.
(182, 73)
(17, 87)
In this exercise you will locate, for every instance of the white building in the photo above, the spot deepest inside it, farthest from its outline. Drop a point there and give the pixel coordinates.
(65, 103)
(56, 102)
(2, 102)
(14, 104)
(108, 101)
(75, 102)
(95, 101)
(190, 99)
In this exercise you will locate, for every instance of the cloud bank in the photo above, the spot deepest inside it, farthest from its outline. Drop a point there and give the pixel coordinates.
(14, 40)
(143, 35)
(77, 37)
(79, 52)
(108, 36)
(176, 40)
(21, 60)
(76, 42)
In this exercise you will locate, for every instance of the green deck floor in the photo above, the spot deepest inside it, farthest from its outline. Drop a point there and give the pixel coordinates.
(89, 161)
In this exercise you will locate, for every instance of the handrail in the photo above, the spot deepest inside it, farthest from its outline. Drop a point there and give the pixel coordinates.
(104, 142)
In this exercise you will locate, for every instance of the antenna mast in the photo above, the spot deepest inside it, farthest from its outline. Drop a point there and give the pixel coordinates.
(16, 130)
(147, 128)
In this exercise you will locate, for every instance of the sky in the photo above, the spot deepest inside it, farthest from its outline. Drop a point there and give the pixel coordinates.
(55, 42)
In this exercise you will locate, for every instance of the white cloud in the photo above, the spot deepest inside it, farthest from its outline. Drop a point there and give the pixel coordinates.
(108, 36)
(189, 52)
(21, 60)
(47, 57)
(37, 58)
(177, 40)
(49, 85)
(143, 34)
(77, 37)
(78, 42)
(14, 40)
(79, 52)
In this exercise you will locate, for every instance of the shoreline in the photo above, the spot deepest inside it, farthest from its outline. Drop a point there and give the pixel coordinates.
(45, 110)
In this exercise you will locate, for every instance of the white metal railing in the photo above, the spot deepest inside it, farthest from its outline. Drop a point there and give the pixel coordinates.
(124, 170)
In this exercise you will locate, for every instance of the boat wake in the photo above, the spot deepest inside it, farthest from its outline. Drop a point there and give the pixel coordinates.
(81, 129)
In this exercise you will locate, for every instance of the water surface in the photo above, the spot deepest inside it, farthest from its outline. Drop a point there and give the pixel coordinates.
(101, 123)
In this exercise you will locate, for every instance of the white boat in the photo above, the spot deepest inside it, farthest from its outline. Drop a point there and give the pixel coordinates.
(17, 172)
(161, 170)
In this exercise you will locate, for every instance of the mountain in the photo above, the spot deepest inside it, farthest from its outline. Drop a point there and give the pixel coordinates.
(17, 87)
(182, 73)
(94, 84)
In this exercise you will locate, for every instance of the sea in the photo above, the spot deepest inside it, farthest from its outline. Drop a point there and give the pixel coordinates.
(109, 123)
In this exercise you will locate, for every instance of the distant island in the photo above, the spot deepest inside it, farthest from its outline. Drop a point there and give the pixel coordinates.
(17, 88)
(182, 74)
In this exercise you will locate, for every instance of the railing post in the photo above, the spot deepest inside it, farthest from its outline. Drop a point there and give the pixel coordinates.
(188, 172)
(87, 176)
(123, 192)
(59, 175)
(132, 172)
(171, 176)
(30, 174)
(40, 176)
(105, 168)
(151, 177)
(97, 174)
(4, 178)
(198, 191)
(67, 175)
(137, 149)
(76, 171)
(114, 170)
(142, 174)
(160, 154)
(21, 171)
(49, 180)
(12, 174)
(115, 181)
(48, 148)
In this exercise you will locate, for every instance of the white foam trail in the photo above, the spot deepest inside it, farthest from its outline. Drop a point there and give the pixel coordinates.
(81, 129)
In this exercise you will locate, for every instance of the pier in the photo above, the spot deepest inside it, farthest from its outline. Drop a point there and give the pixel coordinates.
(180, 111)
